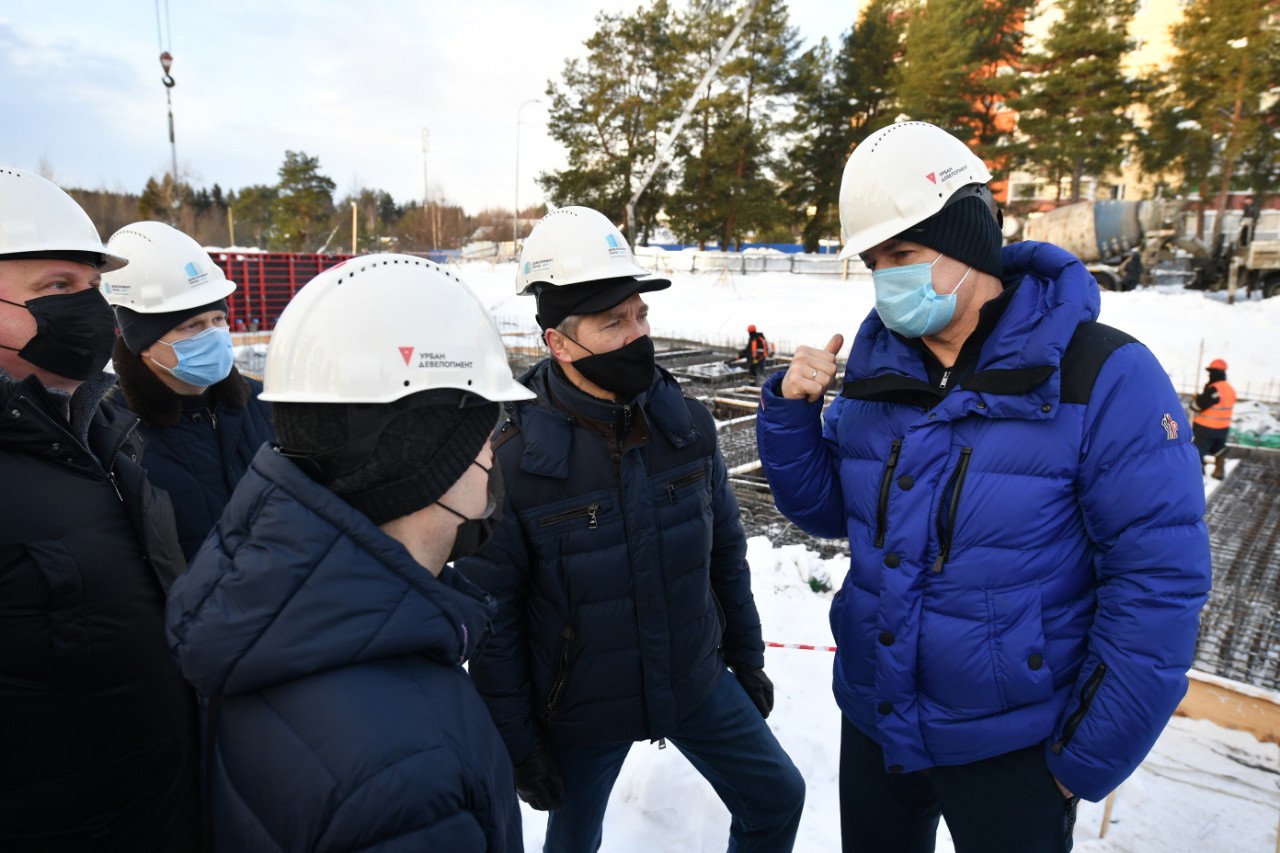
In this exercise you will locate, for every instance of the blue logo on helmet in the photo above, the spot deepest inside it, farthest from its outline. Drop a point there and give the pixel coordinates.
(192, 270)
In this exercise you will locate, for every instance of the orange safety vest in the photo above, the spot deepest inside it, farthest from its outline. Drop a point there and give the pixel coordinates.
(1218, 416)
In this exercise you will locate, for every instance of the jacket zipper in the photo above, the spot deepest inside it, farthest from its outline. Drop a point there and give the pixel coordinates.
(1086, 699)
(562, 669)
(107, 471)
(591, 512)
(683, 481)
(886, 481)
(951, 504)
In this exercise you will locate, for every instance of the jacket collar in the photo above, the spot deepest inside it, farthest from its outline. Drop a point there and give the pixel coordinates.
(303, 582)
(1017, 368)
(155, 403)
(547, 423)
(97, 428)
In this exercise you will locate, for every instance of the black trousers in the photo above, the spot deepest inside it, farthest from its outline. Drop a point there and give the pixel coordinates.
(1005, 804)
(1210, 442)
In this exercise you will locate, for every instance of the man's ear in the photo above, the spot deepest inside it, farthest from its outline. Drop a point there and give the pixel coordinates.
(556, 343)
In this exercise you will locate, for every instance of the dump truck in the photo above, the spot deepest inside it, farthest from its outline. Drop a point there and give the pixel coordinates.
(1124, 243)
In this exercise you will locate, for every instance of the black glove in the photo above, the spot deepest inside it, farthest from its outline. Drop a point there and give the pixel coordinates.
(538, 781)
(758, 687)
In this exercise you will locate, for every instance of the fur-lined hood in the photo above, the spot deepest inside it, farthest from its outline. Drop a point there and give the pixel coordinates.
(155, 403)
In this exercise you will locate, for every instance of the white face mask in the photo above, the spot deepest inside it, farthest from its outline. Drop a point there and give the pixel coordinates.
(907, 302)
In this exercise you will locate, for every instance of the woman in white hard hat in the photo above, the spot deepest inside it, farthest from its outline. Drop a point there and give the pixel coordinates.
(202, 419)
(322, 622)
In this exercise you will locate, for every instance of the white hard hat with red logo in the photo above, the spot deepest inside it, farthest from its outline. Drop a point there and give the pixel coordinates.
(898, 177)
(377, 328)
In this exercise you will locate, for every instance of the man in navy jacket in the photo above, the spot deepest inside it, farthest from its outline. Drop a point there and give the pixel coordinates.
(320, 620)
(619, 566)
(97, 729)
(1023, 508)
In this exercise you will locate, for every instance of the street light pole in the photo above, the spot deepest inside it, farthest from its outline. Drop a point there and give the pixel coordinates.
(426, 188)
(515, 215)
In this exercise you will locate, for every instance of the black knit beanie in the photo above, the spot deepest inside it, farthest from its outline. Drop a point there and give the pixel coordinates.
(966, 231)
(418, 457)
(142, 330)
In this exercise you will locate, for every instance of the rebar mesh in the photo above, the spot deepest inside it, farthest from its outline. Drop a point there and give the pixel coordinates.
(1239, 632)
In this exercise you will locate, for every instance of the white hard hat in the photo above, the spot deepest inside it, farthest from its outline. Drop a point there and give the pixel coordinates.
(168, 271)
(899, 176)
(377, 328)
(38, 216)
(573, 245)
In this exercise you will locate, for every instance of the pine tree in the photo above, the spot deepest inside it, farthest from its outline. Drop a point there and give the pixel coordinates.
(608, 109)
(252, 210)
(163, 201)
(727, 189)
(1073, 111)
(1215, 109)
(303, 206)
(959, 68)
(841, 99)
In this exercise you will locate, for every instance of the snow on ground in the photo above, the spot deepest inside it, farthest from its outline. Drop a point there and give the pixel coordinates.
(1203, 788)
(808, 309)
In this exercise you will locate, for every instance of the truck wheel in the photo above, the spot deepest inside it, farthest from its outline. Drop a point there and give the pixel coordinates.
(1106, 280)
(1271, 285)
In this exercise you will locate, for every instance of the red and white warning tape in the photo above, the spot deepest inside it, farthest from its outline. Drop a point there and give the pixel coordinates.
(804, 646)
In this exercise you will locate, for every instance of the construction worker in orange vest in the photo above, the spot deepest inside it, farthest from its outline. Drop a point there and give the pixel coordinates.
(1213, 407)
(756, 352)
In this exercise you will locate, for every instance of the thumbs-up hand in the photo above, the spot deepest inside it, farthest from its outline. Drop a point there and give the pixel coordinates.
(811, 371)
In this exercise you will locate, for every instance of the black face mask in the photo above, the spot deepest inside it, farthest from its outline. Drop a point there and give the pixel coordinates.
(626, 371)
(74, 334)
(474, 533)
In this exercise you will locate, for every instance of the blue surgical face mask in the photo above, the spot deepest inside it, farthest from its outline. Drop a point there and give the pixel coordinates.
(204, 359)
(907, 302)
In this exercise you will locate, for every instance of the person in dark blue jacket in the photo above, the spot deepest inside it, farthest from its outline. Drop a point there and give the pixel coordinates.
(201, 419)
(319, 622)
(619, 566)
(98, 732)
(1024, 513)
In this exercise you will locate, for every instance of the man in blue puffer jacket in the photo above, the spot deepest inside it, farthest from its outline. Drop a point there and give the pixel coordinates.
(1023, 508)
(620, 565)
(320, 622)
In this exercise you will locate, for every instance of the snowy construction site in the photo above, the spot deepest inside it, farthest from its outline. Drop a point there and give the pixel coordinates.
(1212, 783)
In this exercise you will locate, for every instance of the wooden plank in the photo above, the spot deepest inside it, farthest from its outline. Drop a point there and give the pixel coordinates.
(1233, 706)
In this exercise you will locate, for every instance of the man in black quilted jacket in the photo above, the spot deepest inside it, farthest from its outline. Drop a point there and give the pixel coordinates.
(624, 597)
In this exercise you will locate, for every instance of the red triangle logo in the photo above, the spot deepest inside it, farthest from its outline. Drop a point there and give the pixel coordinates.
(933, 177)
(407, 353)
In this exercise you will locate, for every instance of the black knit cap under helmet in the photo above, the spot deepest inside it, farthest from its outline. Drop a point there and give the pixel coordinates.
(142, 330)
(966, 230)
(421, 446)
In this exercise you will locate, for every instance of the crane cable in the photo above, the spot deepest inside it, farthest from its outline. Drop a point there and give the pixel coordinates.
(163, 36)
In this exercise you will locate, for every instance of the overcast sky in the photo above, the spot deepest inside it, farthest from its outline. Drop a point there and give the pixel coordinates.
(352, 83)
